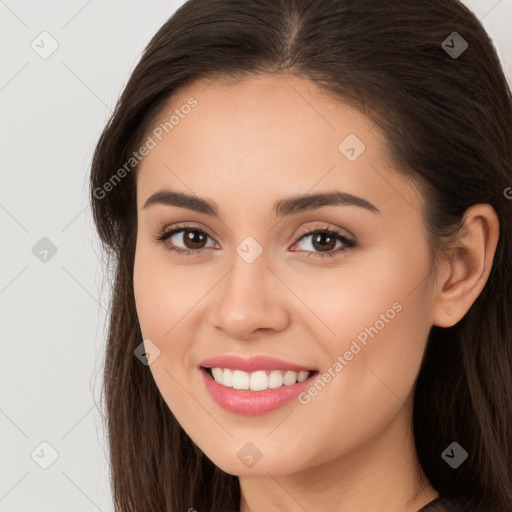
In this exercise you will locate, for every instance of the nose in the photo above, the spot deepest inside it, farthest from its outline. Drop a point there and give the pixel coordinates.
(251, 300)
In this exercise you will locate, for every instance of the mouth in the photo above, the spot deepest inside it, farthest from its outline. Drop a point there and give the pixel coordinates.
(254, 393)
(260, 380)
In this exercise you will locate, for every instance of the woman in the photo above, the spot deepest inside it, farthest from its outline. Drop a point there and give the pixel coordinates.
(245, 369)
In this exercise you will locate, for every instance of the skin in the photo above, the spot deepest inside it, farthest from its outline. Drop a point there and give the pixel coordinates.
(246, 145)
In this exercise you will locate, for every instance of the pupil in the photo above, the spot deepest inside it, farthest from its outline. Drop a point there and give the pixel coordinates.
(194, 237)
(321, 245)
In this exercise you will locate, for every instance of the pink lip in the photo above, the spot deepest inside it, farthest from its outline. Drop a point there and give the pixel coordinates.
(252, 364)
(252, 403)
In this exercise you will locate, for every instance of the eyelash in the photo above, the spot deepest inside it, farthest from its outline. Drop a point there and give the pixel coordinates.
(347, 242)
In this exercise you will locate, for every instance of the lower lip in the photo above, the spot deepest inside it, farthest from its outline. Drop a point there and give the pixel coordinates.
(253, 403)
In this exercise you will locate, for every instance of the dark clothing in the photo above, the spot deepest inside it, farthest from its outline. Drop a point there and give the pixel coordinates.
(443, 504)
(432, 506)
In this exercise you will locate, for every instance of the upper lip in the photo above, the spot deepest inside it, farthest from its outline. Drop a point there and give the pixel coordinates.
(252, 364)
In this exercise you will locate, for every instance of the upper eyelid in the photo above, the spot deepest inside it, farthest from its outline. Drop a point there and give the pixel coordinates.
(174, 229)
(338, 231)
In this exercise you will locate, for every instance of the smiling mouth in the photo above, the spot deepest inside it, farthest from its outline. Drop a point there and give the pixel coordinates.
(260, 380)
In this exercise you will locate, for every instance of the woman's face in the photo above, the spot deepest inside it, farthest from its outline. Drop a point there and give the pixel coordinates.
(255, 283)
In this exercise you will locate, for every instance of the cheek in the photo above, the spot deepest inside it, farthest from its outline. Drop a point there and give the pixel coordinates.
(393, 315)
(379, 320)
(374, 294)
(164, 292)
(374, 364)
(167, 298)
(163, 296)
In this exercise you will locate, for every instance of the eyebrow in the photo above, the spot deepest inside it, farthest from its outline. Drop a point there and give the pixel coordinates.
(284, 207)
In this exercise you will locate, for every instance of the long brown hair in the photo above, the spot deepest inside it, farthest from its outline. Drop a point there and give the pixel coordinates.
(448, 123)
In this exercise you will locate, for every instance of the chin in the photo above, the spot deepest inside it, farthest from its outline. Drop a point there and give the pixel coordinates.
(276, 466)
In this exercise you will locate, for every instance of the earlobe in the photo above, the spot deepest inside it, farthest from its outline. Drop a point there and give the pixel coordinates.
(467, 269)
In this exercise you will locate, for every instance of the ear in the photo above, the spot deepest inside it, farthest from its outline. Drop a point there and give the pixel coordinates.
(464, 274)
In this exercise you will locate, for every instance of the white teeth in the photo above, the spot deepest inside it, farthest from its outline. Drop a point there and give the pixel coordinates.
(259, 380)
(290, 378)
(302, 376)
(227, 377)
(217, 374)
(275, 379)
(240, 379)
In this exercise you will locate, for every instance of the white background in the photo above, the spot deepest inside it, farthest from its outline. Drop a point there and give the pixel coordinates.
(52, 327)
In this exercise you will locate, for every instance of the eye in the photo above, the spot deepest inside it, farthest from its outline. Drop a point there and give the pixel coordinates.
(324, 241)
(192, 238)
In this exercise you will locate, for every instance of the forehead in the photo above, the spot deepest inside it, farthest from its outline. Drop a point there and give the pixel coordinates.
(250, 110)
(280, 133)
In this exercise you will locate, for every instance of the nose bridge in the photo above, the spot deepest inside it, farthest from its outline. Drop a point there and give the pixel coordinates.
(249, 298)
(247, 284)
